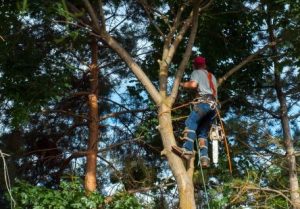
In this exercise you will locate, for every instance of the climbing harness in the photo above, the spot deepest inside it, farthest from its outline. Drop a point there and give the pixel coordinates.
(185, 135)
(207, 99)
(217, 132)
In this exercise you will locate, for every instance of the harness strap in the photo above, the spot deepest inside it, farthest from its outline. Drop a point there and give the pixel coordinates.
(188, 130)
(200, 99)
(185, 138)
(211, 84)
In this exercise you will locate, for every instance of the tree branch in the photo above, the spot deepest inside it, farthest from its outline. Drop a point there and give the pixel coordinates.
(261, 107)
(108, 199)
(173, 29)
(186, 55)
(93, 15)
(294, 116)
(84, 117)
(244, 62)
(146, 8)
(120, 144)
(101, 13)
(267, 190)
(66, 162)
(135, 68)
(115, 114)
(169, 49)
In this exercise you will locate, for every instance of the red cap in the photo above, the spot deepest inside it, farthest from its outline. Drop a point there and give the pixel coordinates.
(199, 61)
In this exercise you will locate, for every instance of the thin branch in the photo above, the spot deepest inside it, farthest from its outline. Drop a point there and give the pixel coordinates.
(79, 94)
(135, 68)
(144, 143)
(172, 48)
(108, 199)
(186, 55)
(145, 189)
(294, 116)
(206, 5)
(120, 144)
(101, 13)
(120, 22)
(115, 114)
(67, 113)
(83, 20)
(66, 162)
(168, 53)
(262, 108)
(268, 190)
(169, 48)
(244, 62)
(146, 8)
(119, 174)
(267, 159)
(175, 26)
(93, 15)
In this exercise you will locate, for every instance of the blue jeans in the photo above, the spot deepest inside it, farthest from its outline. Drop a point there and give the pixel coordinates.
(198, 125)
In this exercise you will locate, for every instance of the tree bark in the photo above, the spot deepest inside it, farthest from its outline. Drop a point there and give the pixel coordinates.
(291, 159)
(287, 136)
(90, 182)
(182, 177)
(182, 174)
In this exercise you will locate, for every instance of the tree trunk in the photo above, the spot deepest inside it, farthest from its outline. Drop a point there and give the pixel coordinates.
(181, 174)
(291, 160)
(90, 182)
(174, 37)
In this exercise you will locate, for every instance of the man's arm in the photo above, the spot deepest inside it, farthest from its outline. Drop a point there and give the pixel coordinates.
(189, 84)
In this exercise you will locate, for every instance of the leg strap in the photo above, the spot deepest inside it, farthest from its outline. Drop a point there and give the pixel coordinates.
(185, 134)
(186, 130)
(185, 138)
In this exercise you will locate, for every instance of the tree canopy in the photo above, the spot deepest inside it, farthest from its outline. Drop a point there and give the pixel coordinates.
(90, 102)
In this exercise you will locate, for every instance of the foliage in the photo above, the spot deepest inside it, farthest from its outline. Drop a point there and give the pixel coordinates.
(69, 195)
(228, 32)
(31, 71)
(124, 201)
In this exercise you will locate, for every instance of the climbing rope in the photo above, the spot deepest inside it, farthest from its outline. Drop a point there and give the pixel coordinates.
(221, 123)
(225, 141)
(194, 101)
(175, 108)
(202, 175)
(7, 179)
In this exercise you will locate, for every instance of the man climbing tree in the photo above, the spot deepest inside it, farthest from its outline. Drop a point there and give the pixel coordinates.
(200, 119)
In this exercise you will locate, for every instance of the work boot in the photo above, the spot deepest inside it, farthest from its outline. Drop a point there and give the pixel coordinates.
(205, 161)
(182, 152)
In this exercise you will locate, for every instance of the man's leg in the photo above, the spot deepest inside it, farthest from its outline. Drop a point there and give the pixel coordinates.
(191, 125)
(202, 131)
